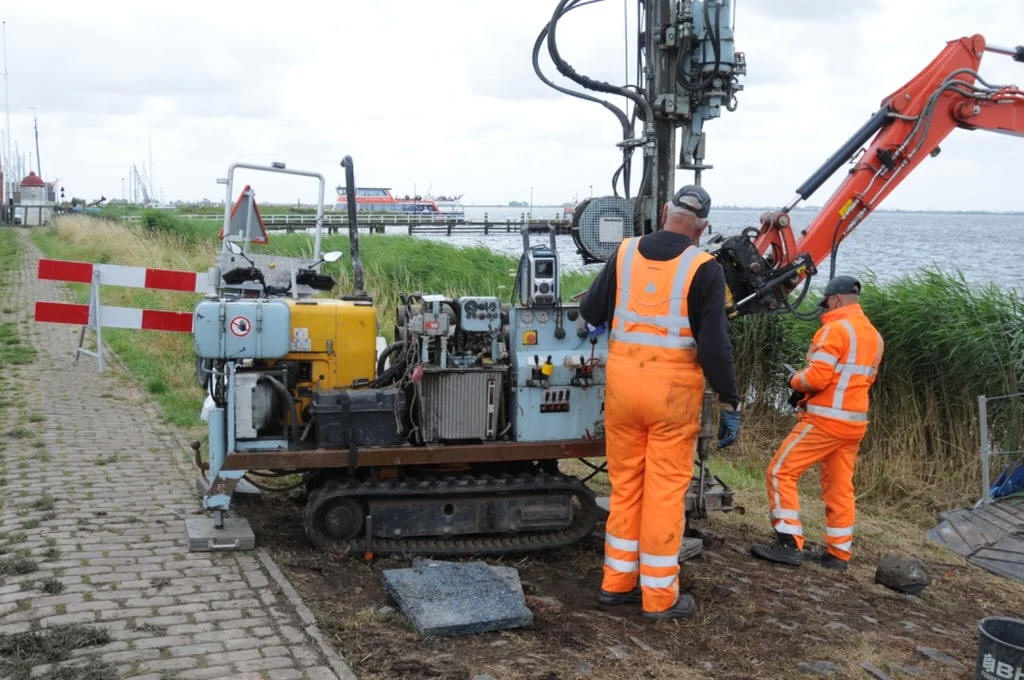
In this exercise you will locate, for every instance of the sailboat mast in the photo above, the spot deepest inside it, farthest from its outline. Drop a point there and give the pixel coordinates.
(39, 165)
(7, 112)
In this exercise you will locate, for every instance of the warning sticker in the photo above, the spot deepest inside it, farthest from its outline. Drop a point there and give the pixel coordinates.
(300, 340)
(240, 326)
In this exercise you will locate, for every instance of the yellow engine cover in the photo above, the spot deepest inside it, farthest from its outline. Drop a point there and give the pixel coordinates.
(338, 337)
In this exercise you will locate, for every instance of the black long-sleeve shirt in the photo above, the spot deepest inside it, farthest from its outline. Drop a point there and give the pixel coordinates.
(705, 302)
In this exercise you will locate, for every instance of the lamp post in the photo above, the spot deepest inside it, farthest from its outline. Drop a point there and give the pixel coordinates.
(591, 190)
(531, 203)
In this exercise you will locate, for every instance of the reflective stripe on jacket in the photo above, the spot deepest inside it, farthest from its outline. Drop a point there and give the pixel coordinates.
(651, 308)
(842, 363)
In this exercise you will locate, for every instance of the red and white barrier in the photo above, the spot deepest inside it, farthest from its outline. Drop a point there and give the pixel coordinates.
(115, 317)
(96, 316)
(121, 275)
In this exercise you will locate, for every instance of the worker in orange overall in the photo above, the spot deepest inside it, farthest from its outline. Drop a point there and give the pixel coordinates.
(832, 392)
(665, 301)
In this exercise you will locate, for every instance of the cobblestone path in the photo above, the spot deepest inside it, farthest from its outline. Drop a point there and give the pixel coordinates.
(96, 491)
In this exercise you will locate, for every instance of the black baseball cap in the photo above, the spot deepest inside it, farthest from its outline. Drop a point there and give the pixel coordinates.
(841, 285)
(694, 199)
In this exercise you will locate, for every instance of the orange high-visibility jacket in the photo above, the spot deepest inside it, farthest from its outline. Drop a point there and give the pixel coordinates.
(842, 363)
(652, 321)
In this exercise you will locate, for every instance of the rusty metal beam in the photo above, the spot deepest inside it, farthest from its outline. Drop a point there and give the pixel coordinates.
(434, 454)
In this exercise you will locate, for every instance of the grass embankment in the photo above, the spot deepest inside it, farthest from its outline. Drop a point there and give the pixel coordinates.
(945, 344)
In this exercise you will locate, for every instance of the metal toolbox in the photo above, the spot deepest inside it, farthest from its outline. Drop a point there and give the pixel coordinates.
(370, 417)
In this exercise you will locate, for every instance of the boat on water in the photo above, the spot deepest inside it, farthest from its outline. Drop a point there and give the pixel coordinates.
(381, 200)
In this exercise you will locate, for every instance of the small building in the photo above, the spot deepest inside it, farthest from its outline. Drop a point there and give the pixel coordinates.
(34, 203)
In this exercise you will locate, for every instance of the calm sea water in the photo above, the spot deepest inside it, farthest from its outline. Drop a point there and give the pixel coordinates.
(984, 247)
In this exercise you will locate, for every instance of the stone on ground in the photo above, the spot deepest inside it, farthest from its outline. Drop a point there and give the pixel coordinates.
(902, 573)
(874, 671)
(940, 657)
(818, 667)
(690, 548)
(448, 598)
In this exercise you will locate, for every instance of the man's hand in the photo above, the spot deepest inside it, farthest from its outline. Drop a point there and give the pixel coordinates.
(795, 397)
(728, 426)
(594, 331)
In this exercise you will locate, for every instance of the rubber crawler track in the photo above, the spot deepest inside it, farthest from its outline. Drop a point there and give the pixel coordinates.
(585, 514)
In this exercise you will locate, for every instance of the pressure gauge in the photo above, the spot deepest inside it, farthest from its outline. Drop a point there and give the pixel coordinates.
(542, 317)
(527, 316)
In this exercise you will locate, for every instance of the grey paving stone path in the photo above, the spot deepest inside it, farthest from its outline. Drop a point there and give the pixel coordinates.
(97, 493)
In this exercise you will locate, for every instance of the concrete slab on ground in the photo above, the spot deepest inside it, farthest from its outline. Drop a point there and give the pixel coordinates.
(450, 598)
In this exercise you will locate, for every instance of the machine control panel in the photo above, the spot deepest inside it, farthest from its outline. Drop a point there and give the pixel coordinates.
(480, 314)
(558, 391)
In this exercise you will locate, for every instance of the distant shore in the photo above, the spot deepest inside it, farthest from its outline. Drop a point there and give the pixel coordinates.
(812, 208)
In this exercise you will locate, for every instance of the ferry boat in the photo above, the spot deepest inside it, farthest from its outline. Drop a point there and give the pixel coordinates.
(381, 200)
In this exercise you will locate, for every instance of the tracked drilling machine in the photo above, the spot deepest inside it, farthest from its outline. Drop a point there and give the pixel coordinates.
(448, 440)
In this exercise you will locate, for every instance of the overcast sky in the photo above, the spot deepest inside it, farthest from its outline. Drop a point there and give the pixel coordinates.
(441, 95)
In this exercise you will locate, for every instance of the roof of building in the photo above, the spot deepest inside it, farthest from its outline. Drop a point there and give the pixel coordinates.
(33, 180)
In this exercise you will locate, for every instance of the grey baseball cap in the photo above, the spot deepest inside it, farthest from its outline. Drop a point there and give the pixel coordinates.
(694, 199)
(841, 285)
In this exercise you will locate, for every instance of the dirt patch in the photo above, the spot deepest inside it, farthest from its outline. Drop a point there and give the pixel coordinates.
(754, 620)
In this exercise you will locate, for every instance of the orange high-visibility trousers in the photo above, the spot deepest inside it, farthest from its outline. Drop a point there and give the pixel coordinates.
(812, 440)
(652, 419)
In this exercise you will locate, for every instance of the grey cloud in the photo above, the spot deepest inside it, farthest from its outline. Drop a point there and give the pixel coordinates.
(811, 11)
(111, 69)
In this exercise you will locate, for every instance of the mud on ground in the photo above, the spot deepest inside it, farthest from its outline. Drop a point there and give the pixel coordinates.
(754, 619)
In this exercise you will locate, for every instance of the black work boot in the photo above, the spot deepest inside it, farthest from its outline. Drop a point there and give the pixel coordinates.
(634, 596)
(830, 561)
(783, 551)
(823, 558)
(684, 606)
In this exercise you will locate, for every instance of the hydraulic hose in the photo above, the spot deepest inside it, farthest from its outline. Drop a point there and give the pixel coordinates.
(382, 360)
(616, 111)
(569, 72)
(283, 392)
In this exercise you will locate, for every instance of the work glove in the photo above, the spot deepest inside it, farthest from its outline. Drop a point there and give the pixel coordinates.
(728, 426)
(594, 331)
(795, 398)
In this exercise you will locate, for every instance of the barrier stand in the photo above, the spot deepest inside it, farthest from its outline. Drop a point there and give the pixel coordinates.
(94, 323)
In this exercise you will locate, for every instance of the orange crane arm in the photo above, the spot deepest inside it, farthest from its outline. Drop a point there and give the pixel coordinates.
(910, 124)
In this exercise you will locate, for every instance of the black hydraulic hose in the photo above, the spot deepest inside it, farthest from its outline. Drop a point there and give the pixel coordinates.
(353, 227)
(283, 392)
(382, 360)
(616, 111)
(566, 70)
(716, 43)
(844, 153)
